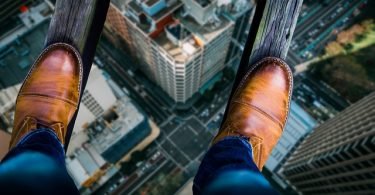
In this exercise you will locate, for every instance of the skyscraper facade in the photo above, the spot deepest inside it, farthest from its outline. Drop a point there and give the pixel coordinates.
(4, 143)
(96, 99)
(339, 155)
(299, 124)
(180, 44)
(10, 10)
(20, 45)
(240, 12)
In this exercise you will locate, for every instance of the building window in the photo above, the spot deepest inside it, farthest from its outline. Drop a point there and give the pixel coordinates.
(91, 104)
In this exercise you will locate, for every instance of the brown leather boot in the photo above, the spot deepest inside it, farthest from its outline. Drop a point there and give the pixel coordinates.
(50, 93)
(259, 107)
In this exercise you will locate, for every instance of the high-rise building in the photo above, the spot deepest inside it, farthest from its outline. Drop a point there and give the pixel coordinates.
(8, 98)
(339, 155)
(240, 13)
(21, 45)
(299, 124)
(96, 99)
(82, 165)
(94, 151)
(88, 169)
(180, 44)
(4, 143)
(10, 10)
(108, 128)
(115, 138)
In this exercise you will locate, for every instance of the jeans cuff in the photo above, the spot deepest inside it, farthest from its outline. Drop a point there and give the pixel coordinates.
(245, 140)
(41, 140)
(26, 137)
(230, 153)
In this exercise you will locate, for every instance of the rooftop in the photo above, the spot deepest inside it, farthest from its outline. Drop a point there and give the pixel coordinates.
(20, 46)
(144, 19)
(237, 9)
(108, 133)
(204, 3)
(29, 20)
(9, 13)
(177, 31)
(151, 2)
(4, 143)
(135, 6)
(178, 43)
(8, 97)
(167, 11)
(7, 101)
(17, 56)
(172, 28)
(208, 31)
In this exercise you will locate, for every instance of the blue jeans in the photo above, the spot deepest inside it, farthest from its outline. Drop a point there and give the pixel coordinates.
(228, 168)
(36, 165)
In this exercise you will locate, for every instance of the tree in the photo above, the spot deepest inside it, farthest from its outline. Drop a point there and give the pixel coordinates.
(138, 156)
(127, 168)
(360, 37)
(348, 46)
(208, 95)
(352, 75)
(228, 73)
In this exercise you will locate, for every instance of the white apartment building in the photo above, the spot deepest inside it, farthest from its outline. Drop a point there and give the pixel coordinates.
(181, 44)
(96, 99)
(299, 124)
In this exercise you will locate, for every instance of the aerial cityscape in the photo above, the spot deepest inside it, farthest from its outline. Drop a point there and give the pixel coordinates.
(162, 75)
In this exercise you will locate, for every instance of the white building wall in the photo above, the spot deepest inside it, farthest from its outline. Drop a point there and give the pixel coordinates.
(76, 141)
(84, 118)
(77, 171)
(214, 55)
(181, 80)
(102, 94)
(8, 97)
(144, 50)
(99, 88)
(201, 14)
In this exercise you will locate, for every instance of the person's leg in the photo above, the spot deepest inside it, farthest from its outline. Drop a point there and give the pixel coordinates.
(46, 103)
(254, 122)
(228, 168)
(36, 165)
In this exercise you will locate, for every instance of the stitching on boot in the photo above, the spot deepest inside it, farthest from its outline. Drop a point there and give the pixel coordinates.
(66, 46)
(283, 65)
(256, 144)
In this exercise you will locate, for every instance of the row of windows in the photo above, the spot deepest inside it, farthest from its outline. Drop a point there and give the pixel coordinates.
(224, 38)
(349, 123)
(339, 180)
(89, 101)
(338, 129)
(349, 168)
(351, 150)
(331, 160)
(364, 188)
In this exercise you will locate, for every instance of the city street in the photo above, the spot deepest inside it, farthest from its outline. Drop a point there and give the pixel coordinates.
(315, 27)
(182, 141)
(122, 72)
(155, 78)
(184, 138)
